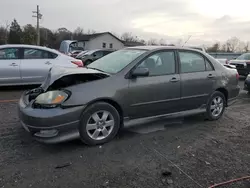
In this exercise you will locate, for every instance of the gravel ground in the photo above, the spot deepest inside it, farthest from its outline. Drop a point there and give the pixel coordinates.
(197, 153)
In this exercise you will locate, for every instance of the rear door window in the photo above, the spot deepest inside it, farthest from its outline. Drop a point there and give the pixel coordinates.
(191, 62)
(9, 53)
(31, 53)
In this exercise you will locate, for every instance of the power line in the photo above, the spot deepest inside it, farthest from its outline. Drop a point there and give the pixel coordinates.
(38, 16)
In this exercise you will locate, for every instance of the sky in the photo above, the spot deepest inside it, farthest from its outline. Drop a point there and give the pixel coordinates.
(206, 21)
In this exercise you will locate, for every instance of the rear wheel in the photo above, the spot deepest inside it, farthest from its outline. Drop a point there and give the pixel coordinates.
(100, 123)
(216, 106)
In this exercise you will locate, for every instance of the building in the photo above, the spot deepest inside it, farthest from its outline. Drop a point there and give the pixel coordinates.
(104, 40)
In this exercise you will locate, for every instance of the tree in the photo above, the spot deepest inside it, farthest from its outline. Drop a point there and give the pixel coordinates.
(15, 34)
(2, 35)
(128, 37)
(232, 44)
(152, 42)
(47, 38)
(214, 48)
(29, 34)
(246, 47)
(162, 42)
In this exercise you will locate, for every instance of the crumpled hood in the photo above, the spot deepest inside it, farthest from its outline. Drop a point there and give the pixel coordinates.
(58, 72)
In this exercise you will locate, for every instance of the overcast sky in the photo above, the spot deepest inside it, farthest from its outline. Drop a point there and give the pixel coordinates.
(206, 20)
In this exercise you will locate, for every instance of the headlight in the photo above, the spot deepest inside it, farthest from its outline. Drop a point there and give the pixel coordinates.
(52, 98)
(248, 76)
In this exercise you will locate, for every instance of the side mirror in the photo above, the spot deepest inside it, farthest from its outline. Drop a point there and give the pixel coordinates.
(234, 58)
(140, 72)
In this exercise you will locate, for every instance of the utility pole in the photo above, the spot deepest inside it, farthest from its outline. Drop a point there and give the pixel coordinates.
(38, 16)
(7, 25)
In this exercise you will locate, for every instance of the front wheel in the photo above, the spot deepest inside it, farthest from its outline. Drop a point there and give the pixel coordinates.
(100, 123)
(216, 106)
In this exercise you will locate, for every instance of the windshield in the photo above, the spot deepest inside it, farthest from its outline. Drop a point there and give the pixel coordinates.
(244, 57)
(116, 61)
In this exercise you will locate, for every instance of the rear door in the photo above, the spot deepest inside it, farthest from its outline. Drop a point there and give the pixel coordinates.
(198, 79)
(35, 65)
(158, 93)
(10, 66)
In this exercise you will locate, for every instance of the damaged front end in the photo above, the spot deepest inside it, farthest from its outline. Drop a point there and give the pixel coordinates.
(53, 92)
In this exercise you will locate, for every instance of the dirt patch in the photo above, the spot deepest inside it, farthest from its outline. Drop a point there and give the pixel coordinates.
(198, 153)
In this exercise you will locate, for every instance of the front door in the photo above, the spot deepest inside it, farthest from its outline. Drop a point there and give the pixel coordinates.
(10, 66)
(198, 78)
(35, 65)
(158, 93)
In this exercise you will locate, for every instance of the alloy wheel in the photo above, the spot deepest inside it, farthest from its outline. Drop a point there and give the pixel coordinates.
(217, 106)
(100, 125)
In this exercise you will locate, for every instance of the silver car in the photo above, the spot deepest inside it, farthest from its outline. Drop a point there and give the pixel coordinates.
(27, 64)
(141, 82)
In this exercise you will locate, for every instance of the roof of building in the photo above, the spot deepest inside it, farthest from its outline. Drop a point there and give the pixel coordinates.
(126, 43)
(92, 36)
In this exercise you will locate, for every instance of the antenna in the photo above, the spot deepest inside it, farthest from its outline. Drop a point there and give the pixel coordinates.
(187, 40)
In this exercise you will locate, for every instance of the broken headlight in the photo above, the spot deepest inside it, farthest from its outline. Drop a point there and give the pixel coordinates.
(51, 98)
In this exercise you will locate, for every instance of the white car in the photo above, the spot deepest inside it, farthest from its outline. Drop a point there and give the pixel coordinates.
(28, 64)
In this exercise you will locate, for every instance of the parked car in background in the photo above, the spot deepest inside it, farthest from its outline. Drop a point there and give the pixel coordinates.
(27, 64)
(81, 54)
(223, 61)
(136, 82)
(247, 83)
(68, 46)
(75, 53)
(93, 55)
(242, 64)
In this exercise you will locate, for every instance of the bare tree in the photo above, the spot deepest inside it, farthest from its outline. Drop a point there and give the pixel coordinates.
(232, 44)
(152, 42)
(128, 37)
(91, 31)
(214, 48)
(162, 42)
(246, 47)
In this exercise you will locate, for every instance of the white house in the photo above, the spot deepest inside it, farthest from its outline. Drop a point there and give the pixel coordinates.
(104, 40)
(100, 41)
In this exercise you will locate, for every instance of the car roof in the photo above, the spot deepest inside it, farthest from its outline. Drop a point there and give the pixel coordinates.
(161, 48)
(28, 46)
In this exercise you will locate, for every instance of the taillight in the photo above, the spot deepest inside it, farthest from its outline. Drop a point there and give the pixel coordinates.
(79, 63)
(227, 62)
(237, 76)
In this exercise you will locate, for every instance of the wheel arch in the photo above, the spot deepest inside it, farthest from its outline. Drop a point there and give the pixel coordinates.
(113, 103)
(224, 91)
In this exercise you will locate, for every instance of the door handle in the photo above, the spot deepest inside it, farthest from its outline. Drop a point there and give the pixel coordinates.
(174, 79)
(13, 64)
(47, 63)
(210, 76)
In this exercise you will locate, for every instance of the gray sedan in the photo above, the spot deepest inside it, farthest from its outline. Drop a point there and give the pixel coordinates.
(92, 103)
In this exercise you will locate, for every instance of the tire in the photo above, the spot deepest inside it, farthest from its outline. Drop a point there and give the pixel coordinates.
(211, 104)
(95, 130)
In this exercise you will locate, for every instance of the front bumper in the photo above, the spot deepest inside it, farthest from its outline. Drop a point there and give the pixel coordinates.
(50, 125)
